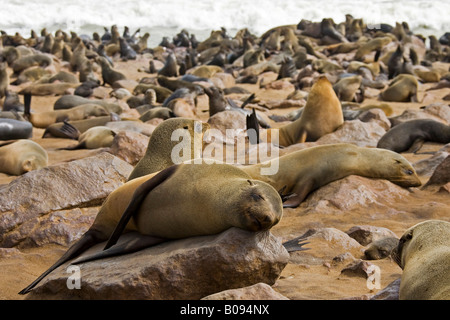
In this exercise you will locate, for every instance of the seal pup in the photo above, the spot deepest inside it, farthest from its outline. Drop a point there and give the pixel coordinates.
(403, 88)
(170, 68)
(46, 118)
(322, 114)
(22, 156)
(423, 253)
(409, 136)
(304, 171)
(94, 138)
(178, 202)
(4, 79)
(158, 155)
(12, 102)
(109, 75)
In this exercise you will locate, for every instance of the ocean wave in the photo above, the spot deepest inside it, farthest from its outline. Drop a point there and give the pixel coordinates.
(257, 16)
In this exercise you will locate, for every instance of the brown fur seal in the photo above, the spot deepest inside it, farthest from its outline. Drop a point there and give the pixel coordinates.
(170, 68)
(4, 79)
(409, 136)
(346, 88)
(94, 138)
(109, 75)
(322, 114)
(306, 170)
(160, 146)
(424, 255)
(73, 129)
(38, 59)
(402, 88)
(22, 156)
(48, 89)
(178, 202)
(46, 118)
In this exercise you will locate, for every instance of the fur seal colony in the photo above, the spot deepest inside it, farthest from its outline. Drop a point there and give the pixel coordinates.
(306, 83)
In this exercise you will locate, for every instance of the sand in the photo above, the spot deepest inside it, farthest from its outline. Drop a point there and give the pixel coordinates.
(298, 280)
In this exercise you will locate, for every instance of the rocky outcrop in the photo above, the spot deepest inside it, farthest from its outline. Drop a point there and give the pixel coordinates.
(185, 269)
(78, 184)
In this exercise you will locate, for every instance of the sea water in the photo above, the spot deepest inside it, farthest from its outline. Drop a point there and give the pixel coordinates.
(167, 17)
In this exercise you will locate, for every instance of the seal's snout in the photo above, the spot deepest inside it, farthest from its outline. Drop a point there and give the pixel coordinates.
(262, 222)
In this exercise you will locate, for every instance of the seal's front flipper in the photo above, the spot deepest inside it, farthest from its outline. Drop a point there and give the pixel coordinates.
(139, 195)
(417, 144)
(136, 242)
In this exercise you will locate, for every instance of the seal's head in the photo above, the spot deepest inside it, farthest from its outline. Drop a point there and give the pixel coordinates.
(396, 168)
(261, 206)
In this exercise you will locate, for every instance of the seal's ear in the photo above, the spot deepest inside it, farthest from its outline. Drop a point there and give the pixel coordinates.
(397, 252)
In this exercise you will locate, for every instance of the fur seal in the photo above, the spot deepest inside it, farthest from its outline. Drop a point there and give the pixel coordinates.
(73, 129)
(403, 88)
(109, 75)
(178, 202)
(322, 114)
(24, 62)
(306, 170)
(423, 253)
(46, 118)
(94, 138)
(11, 129)
(170, 68)
(22, 156)
(4, 79)
(12, 102)
(69, 101)
(157, 112)
(48, 89)
(346, 88)
(409, 136)
(158, 155)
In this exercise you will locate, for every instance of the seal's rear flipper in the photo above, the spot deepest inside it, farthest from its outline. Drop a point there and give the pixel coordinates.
(253, 128)
(139, 195)
(417, 144)
(90, 238)
(69, 131)
(137, 242)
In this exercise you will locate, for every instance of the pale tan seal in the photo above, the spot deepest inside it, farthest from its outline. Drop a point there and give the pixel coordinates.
(46, 118)
(181, 201)
(306, 170)
(403, 88)
(94, 138)
(158, 155)
(22, 156)
(322, 114)
(424, 255)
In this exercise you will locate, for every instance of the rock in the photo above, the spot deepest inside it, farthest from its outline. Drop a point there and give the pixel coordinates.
(376, 115)
(81, 183)
(190, 268)
(366, 234)
(363, 134)
(59, 227)
(226, 78)
(391, 292)
(441, 175)
(259, 291)
(129, 146)
(228, 120)
(381, 249)
(440, 110)
(426, 167)
(353, 192)
(330, 242)
(358, 268)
